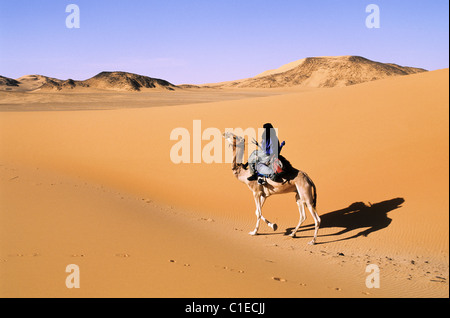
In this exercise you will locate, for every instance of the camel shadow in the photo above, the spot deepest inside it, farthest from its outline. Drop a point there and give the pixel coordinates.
(358, 215)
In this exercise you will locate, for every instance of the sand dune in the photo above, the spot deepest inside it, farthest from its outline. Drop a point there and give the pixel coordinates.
(33, 82)
(98, 189)
(330, 71)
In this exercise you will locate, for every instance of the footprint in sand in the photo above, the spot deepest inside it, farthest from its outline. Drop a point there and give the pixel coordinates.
(24, 255)
(123, 255)
(438, 279)
(174, 261)
(240, 271)
(237, 270)
(279, 279)
(206, 219)
(335, 288)
(16, 255)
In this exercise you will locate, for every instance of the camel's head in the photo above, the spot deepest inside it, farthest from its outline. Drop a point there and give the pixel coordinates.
(232, 138)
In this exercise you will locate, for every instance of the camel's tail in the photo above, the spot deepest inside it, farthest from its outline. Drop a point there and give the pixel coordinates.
(311, 183)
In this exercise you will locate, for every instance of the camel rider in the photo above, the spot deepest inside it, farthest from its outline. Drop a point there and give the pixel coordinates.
(268, 150)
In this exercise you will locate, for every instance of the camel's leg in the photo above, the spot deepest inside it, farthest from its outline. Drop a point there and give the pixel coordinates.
(316, 222)
(274, 226)
(259, 202)
(301, 210)
(258, 213)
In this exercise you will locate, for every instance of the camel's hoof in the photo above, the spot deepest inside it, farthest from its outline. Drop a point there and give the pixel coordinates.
(252, 233)
(273, 226)
(313, 242)
(292, 235)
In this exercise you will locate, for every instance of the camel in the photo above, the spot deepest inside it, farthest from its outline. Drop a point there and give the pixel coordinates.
(294, 180)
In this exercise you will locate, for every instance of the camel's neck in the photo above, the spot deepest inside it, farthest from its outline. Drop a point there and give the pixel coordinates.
(238, 157)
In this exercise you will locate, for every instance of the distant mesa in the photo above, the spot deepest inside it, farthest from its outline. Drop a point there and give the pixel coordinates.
(116, 81)
(314, 72)
(335, 71)
(126, 81)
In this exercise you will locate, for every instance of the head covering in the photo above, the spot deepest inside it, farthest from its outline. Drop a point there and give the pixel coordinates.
(270, 142)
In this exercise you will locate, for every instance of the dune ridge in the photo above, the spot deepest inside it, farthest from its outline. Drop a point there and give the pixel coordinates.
(335, 71)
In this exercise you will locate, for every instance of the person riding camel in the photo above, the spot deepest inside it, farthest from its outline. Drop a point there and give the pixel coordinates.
(260, 160)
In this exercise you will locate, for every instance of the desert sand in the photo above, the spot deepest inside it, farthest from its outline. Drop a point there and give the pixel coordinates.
(97, 188)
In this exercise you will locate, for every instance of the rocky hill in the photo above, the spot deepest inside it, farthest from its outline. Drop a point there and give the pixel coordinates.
(6, 81)
(323, 72)
(116, 81)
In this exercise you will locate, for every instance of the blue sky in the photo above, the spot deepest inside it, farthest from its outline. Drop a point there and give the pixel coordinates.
(201, 41)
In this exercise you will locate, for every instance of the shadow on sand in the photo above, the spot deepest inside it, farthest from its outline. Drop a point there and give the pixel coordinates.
(358, 215)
